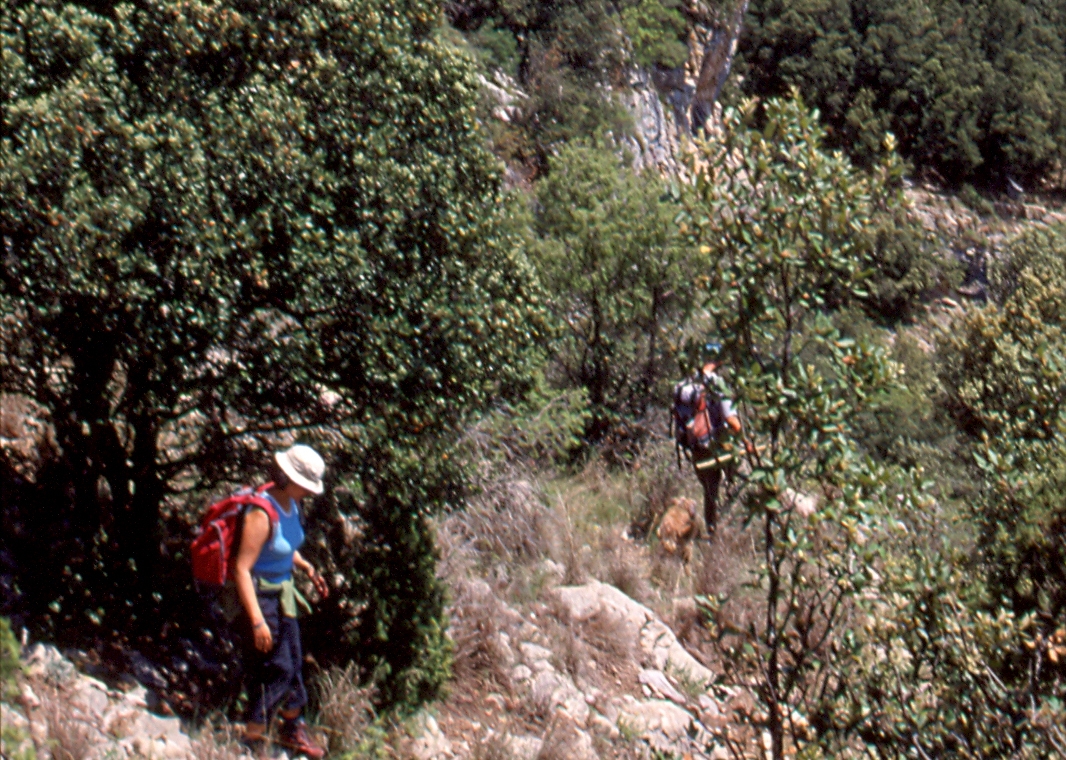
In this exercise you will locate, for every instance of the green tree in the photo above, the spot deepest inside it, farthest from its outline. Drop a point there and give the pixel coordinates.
(225, 224)
(786, 224)
(656, 30)
(973, 91)
(570, 62)
(1004, 374)
(1002, 366)
(619, 280)
(964, 641)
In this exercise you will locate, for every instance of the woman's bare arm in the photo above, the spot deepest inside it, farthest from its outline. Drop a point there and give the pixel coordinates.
(254, 536)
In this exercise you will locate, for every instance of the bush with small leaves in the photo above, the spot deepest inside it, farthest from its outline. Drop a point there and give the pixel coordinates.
(223, 225)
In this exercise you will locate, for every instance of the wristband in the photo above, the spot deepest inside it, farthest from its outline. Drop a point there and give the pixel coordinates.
(261, 622)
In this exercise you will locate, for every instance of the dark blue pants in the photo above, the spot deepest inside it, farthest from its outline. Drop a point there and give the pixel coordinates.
(275, 677)
(710, 480)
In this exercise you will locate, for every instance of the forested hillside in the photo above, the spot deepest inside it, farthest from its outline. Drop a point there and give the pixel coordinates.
(975, 92)
(425, 239)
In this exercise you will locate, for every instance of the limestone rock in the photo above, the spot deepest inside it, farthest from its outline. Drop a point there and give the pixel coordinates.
(524, 747)
(555, 691)
(635, 623)
(45, 661)
(656, 717)
(565, 739)
(658, 683)
(430, 743)
(532, 654)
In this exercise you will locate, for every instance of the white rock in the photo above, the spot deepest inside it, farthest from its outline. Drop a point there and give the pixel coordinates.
(636, 625)
(430, 743)
(709, 705)
(90, 696)
(524, 747)
(45, 661)
(532, 653)
(553, 573)
(28, 698)
(565, 739)
(658, 683)
(601, 725)
(137, 696)
(555, 691)
(645, 718)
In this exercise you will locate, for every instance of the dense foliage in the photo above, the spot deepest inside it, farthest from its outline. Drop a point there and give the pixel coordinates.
(621, 284)
(975, 92)
(890, 624)
(784, 223)
(224, 225)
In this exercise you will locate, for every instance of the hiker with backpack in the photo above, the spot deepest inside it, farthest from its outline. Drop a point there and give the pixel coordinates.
(704, 421)
(269, 544)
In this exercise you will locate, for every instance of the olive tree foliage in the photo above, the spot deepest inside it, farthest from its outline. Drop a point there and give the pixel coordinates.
(937, 673)
(962, 643)
(620, 282)
(225, 225)
(1003, 365)
(785, 224)
(973, 90)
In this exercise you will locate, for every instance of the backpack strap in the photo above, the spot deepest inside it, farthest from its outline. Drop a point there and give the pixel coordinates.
(257, 498)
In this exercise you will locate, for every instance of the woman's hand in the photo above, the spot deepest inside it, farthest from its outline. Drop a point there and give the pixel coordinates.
(318, 581)
(264, 642)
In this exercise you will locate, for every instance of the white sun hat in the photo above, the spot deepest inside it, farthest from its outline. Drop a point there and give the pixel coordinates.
(303, 465)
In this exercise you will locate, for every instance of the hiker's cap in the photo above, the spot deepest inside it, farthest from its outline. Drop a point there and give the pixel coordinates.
(303, 465)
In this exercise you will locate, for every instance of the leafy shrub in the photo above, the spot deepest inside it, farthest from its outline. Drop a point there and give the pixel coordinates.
(1003, 365)
(226, 225)
(620, 283)
(782, 221)
(657, 31)
(10, 664)
(973, 91)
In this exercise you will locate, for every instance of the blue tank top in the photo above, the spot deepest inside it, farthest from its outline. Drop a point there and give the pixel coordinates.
(275, 558)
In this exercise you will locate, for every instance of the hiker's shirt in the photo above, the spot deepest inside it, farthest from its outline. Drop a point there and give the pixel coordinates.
(272, 571)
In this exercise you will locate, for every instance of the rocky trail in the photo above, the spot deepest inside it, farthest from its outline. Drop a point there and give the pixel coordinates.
(587, 673)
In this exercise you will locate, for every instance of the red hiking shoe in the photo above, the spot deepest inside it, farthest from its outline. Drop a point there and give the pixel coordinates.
(293, 736)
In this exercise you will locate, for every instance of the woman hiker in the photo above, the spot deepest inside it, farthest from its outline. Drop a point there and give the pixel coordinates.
(274, 658)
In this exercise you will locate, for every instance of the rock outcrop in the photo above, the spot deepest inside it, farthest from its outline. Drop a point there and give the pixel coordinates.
(64, 713)
(657, 695)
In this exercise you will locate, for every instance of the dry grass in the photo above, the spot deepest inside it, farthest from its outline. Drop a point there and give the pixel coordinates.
(726, 561)
(477, 620)
(505, 529)
(218, 741)
(493, 747)
(345, 709)
(70, 733)
(559, 741)
(624, 565)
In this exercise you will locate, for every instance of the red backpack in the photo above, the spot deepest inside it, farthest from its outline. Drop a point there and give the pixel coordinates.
(214, 550)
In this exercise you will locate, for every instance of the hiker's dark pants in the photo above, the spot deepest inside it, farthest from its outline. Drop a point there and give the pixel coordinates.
(710, 479)
(275, 677)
